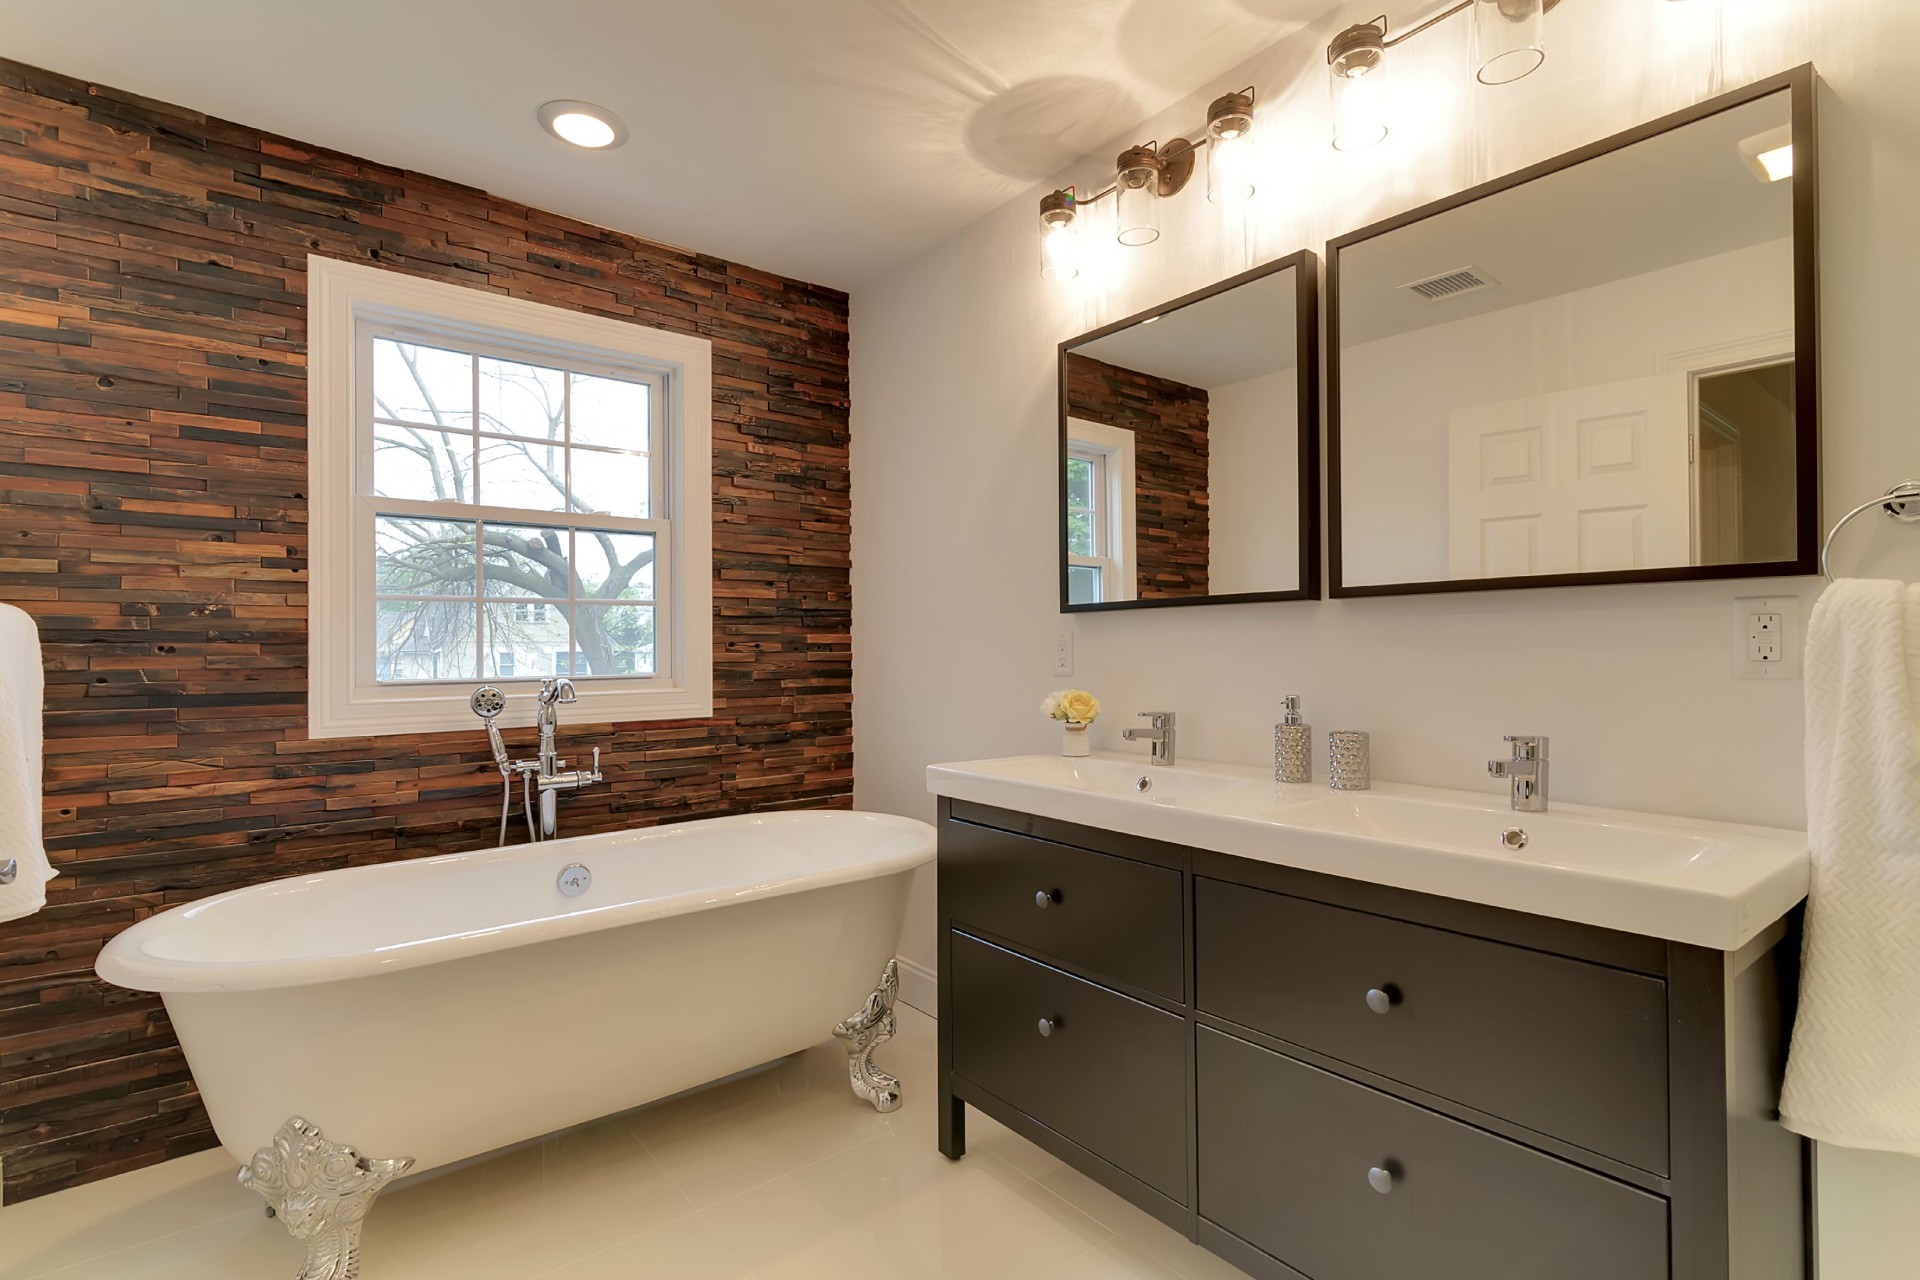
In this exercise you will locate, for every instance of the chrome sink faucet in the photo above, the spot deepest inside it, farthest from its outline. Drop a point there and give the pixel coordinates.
(1527, 770)
(547, 772)
(1160, 736)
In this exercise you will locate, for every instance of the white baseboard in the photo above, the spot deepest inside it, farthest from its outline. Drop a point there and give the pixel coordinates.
(919, 987)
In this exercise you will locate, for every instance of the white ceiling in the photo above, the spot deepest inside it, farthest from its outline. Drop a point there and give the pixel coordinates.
(1246, 332)
(824, 139)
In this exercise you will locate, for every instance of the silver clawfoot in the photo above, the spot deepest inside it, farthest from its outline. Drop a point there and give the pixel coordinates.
(865, 1029)
(321, 1190)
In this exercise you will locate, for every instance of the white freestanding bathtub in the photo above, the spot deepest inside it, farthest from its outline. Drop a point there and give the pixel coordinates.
(432, 1010)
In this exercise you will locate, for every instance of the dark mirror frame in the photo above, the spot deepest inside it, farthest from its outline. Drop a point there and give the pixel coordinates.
(1306, 311)
(1801, 82)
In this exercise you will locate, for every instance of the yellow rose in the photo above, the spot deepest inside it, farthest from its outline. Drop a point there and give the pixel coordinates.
(1078, 704)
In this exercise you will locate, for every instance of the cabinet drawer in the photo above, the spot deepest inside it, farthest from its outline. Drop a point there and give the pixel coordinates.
(1111, 916)
(1111, 1075)
(1286, 1152)
(1571, 1049)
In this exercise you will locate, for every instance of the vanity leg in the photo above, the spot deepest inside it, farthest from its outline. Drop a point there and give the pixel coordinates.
(953, 1126)
(321, 1191)
(865, 1029)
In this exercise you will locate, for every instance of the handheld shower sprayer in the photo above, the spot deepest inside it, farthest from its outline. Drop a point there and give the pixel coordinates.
(487, 703)
(547, 772)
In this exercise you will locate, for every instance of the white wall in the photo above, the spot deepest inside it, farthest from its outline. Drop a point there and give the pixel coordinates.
(1253, 468)
(1397, 392)
(954, 470)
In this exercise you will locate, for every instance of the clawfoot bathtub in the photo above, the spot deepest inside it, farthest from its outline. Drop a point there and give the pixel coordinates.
(434, 1010)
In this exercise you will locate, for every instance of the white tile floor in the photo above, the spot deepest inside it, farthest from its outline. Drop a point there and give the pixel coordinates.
(781, 1176)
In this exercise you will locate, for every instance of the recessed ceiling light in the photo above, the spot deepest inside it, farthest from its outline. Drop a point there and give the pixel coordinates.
(583, 124)
(1778, 163)
(1769, 155)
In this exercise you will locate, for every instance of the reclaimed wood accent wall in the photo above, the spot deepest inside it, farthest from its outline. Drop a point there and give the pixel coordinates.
(153, 469)
(1169, 424)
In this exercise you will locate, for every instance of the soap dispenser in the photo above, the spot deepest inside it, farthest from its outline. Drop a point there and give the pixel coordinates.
(1293, 745)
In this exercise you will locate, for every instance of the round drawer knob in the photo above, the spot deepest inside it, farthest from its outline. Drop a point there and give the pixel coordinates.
(1048, 1026)
(1380, 1180)
(1380, 1001)
(1046, 898)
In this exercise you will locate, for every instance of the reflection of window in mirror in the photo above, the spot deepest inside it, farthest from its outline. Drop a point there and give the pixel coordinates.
(1186, 474)
(1100, 513)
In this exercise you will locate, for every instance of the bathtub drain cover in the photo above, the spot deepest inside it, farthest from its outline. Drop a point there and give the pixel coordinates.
(575, 880)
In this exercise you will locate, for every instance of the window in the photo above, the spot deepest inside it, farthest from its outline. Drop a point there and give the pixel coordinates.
(1100, 513)
(502, 490)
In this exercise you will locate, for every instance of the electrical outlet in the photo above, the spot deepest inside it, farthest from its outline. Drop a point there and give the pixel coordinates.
(1063, 654)
(1766, 637)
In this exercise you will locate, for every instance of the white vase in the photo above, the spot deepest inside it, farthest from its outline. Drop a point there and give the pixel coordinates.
(1074, 739)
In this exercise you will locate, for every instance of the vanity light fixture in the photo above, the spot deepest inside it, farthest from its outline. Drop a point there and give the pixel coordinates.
(1142, 175)
(1357, 71)
(1509, 42)
(1230, 147)
(582, 124)
(1059, 235)
(1146, 174)
(1769, 154)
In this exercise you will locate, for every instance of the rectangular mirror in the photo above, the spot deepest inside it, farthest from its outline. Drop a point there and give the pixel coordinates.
(1599, 369)
(1189, 448)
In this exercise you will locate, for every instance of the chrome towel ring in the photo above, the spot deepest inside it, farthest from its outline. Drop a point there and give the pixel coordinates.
(1901, 502)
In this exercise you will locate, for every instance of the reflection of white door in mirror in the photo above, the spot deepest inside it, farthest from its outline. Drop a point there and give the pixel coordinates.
(1590, 480)
(1100, 513)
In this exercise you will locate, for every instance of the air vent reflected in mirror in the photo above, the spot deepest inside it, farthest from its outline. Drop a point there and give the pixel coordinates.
(1451, 284)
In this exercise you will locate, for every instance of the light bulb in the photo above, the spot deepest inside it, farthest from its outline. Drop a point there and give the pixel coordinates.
(1229, 169)
(582, 130)
(582, 124)
(1359, 108)
(1060, 252)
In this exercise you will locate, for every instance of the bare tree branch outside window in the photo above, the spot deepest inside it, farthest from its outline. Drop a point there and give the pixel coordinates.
(485, 573)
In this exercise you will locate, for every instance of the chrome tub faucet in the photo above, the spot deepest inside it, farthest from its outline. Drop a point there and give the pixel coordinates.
(1159, 736)
(547, 772)
(1526, 770)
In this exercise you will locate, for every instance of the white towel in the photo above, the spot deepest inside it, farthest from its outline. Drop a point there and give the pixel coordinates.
(1854, 1074)
(22, 683)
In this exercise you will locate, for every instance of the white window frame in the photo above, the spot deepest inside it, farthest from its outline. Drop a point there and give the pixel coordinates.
(1112, 449)
(348, 304)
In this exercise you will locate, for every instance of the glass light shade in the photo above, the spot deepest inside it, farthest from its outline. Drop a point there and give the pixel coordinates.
(1359, 106)
(1230, 168)
(1137, 202)
(1059, 249)
(1509, 39)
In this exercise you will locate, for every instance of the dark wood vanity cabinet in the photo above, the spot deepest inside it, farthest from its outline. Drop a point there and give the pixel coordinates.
(1327, 1079)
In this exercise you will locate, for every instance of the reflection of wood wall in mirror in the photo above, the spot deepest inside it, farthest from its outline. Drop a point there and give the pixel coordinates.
(1169, 422)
